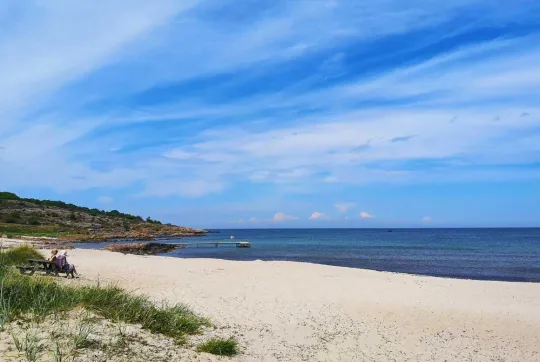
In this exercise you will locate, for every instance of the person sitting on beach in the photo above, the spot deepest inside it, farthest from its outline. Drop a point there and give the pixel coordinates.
(52, 258)
(61, 263)
(64, 265)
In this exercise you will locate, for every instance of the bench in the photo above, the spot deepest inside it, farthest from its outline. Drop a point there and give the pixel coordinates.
(40, 265)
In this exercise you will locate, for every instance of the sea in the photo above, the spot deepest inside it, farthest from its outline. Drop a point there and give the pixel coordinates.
(510, 254)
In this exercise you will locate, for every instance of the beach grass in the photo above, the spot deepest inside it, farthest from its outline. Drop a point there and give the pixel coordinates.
(18, 255)
(36, 297)
(221, 347)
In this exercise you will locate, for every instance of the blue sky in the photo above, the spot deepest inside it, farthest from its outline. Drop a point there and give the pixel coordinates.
(276, 113)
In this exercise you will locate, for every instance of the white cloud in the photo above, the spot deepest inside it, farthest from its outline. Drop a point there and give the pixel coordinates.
(345, 206)
(427, 219)
(280, 217)
(319, 216)
(253, 219)
(71, 39)
(193, 188)
(342, 147)
(105, 199)
(199, 188)
(365, 215)
(286, 32)
(340, 144)
(240, 221)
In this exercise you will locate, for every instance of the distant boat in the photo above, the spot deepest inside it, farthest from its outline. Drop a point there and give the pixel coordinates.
(389, 230)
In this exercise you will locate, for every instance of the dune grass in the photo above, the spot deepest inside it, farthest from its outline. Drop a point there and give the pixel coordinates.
(19, 255)
(220, 347)
(23, 296)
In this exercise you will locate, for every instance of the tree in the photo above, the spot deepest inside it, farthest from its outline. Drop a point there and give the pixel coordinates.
(8, 196)
(33, 220)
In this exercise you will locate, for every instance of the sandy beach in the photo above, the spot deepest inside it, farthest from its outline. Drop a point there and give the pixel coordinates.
(287, 311)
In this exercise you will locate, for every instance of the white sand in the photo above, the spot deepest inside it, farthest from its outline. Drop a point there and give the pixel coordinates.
(7, 243)
(289, 311)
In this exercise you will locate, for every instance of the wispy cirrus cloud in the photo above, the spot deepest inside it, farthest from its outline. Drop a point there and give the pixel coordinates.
(263, 102)
(301, 152)
(172, 187)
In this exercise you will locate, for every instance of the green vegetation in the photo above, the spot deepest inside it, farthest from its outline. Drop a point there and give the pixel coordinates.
(29, 345)
(18, 256)
(149, 219)
(41, 296)
(220, 347)
(8, 196)
(46, 218)
(14, 230)
(34, 301)
(70, 207)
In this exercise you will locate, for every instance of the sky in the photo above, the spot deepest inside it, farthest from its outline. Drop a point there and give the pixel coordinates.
(255, 114)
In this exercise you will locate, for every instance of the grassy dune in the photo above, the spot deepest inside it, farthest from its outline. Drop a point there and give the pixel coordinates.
(23, 297)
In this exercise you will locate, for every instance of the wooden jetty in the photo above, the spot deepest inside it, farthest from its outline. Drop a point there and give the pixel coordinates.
(238, 243)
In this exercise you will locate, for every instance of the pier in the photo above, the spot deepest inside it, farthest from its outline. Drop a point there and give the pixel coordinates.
(238, 244)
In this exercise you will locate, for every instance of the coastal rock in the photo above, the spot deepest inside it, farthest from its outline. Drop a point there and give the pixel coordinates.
(45, 221)
(143, 248)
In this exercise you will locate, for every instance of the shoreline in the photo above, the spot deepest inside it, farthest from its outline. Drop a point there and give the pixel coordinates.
(70, 245)
(295, 311)
(443, 276)
(456, 277)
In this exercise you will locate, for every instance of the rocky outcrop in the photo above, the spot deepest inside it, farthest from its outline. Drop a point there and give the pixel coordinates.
(143, 248)
(70, 223)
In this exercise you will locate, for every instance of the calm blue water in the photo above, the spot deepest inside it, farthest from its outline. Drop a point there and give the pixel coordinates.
(492, 254)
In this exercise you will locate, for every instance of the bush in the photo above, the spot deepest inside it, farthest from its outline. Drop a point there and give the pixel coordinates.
(33, 220)
(220, 347)
(19, 255)
(8, 196)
